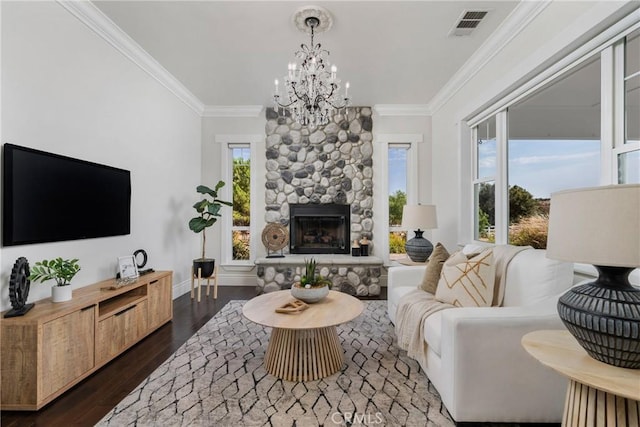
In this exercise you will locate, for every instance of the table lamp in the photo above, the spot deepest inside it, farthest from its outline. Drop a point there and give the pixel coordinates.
(419, 218)
(600, 226)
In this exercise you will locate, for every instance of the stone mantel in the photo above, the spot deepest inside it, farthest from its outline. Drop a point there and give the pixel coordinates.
(322, 259)
(358, 276)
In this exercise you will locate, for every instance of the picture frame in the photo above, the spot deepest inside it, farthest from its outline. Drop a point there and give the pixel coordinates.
(127, 267)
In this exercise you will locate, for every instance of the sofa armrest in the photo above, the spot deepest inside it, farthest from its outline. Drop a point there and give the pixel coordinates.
(487, 367)
(405, 276)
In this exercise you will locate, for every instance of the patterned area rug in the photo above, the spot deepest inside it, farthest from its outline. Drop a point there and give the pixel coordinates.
(217, 378)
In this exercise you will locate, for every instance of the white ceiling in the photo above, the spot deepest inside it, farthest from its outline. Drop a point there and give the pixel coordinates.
(228, 53)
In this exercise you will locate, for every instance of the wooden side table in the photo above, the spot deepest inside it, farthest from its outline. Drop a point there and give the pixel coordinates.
(598, 394)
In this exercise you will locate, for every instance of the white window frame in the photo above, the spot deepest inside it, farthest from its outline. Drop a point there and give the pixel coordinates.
(620, 146)
(610, 46)
(407, 146)
(386, 141)
(228, 142)
(476, 179)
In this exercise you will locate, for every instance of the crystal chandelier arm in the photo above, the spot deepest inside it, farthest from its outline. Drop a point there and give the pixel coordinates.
(293, 86)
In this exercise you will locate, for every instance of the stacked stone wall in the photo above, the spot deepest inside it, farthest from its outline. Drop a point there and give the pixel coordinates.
(328, 164)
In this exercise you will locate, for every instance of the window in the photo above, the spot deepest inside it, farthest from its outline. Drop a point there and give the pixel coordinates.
(576, 124)
(241, 181)
(632, 87)
(484, 181)
(628, 155)
(238, 224)
(554, 144)
(397, 161)
(398, 155)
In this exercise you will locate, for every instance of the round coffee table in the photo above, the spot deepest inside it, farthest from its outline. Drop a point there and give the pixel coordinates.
(304, 346)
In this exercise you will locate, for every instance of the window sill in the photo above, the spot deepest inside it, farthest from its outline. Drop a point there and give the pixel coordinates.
(238, 265)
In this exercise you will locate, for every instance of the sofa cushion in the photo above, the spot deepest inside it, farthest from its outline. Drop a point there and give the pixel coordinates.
(434, 268)
(433, 332)
(532, 277)
(467, 282)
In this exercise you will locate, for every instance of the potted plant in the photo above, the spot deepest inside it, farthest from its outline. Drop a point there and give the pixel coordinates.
(208, 213)
(312, 287)
(60, 270)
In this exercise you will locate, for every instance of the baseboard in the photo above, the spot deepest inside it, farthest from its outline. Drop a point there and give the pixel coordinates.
(181, 288)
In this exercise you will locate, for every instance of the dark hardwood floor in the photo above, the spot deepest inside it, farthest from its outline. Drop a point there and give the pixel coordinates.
(93, 398)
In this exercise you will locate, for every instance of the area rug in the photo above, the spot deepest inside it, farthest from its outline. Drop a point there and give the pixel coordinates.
(217, 378)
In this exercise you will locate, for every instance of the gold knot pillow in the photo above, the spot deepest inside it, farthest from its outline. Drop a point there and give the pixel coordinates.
(467, 282)
(434, 268)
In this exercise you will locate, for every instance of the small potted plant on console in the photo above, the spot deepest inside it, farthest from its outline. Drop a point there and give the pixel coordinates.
(208, 213)
(312, 287)
(60, 270)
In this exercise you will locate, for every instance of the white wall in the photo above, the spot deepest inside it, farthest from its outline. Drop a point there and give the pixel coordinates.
(66, 90)
(552, 33)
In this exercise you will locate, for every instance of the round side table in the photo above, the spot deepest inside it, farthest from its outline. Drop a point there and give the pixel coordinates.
(598, 394)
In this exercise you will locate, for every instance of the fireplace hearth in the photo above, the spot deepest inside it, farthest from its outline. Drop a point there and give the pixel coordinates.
(319, 229)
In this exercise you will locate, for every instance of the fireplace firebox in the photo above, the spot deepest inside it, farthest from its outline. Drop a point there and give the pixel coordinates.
(319, 229)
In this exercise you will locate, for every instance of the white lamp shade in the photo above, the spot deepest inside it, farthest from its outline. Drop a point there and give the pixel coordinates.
(598, 225)
(419, 217)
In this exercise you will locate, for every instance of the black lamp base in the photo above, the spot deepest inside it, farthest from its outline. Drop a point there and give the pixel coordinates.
(418, 248)
(604, 316)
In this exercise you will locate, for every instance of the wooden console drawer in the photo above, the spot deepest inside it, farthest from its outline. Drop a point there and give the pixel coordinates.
(120, 330)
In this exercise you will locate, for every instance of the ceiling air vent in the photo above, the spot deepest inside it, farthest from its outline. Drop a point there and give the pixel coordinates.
(468, 21)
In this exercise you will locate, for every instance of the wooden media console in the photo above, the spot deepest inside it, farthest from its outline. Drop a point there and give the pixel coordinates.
(57, 345)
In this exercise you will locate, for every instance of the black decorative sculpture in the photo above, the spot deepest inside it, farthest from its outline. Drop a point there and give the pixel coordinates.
(19, 285)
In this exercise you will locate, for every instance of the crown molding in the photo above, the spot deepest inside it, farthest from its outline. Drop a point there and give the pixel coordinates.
(99, 23)
(402, 110)
(513, 24)
(232, 110)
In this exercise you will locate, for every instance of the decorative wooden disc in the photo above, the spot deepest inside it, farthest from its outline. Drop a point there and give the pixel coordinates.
(275, 237)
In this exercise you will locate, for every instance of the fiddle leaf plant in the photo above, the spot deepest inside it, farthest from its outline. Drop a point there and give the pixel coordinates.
(208, 210)
(58, 269)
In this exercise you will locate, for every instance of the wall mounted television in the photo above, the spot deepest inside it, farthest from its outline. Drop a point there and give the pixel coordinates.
(50, 198)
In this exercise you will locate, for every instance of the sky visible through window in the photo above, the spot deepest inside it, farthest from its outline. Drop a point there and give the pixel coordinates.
(545, 166)
(397, 170)
(242, 153)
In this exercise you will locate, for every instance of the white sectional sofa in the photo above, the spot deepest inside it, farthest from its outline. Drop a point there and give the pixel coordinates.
(475, 359)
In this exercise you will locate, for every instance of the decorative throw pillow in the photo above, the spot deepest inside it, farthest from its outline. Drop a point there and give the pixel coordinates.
(434, 267)
(467, 282)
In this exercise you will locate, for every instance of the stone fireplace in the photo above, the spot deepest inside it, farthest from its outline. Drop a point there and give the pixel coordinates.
(327, 166)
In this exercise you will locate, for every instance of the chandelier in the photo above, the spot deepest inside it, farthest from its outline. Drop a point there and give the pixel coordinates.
(311, 88)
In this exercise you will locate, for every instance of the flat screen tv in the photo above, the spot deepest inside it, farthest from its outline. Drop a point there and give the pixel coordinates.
(50, 198)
